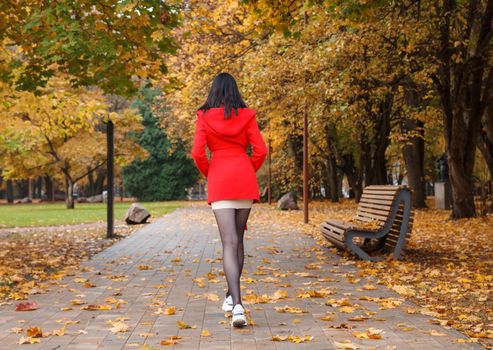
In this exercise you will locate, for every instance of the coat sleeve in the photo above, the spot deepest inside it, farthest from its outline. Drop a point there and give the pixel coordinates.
(259, 149)
(198, 149)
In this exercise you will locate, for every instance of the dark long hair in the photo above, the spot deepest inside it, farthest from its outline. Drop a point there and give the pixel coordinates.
(224, 91)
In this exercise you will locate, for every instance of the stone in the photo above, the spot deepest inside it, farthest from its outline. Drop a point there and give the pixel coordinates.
(95, 199)
(136, 214)
(24, 200)
(288, 202)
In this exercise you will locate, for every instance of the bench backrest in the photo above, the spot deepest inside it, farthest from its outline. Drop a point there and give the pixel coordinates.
(376, 205)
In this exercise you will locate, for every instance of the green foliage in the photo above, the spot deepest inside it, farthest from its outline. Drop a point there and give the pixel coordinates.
(167, 172)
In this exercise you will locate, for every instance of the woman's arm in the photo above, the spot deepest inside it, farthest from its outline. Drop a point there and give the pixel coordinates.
(259, 149)
(198, 150)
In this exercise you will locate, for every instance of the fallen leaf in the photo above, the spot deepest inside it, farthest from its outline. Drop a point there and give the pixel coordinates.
(96, 307)
(436, 333)
(346, 345)
(166, 311)
(171, 340)
(118, 326)
(28, 340)
(59, 332)
(34, 332)
(346, 309)
(292, 338)
(27, 306)
(290, 309)
(183, 325)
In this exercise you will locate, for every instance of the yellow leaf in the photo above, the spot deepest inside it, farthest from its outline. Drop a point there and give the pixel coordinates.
(290, 309)
(436, 333)
(346, 345)
(28, 340)
(171, 340)
(118, 326)
(346, 309)
(59, 332)
(183, 325)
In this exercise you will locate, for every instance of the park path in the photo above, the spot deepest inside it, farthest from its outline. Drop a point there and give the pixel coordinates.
(166, 263)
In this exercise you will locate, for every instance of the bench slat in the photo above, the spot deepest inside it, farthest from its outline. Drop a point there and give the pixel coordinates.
(377, 196)
(369, 218)
(390, 187)
(370, 211)
(377, 201)
(374, 205)
(380, 192)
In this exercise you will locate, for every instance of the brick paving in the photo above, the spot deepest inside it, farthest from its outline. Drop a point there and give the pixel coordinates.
(167, 262)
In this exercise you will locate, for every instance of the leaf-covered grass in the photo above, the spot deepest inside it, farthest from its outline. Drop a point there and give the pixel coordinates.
(30, 262)
(48, 214)
(447, 268)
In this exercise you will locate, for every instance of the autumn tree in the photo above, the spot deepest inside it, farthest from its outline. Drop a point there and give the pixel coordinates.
(61, 129)
(112, 45)
(102, 43)
(464, 82)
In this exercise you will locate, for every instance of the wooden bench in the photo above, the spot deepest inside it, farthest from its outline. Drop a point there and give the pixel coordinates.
(382, 223)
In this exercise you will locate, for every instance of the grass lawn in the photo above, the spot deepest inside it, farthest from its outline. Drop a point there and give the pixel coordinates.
(48, 214)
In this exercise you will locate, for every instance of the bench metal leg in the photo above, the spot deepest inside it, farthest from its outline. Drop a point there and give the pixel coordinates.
(405, 197)
(357, 250)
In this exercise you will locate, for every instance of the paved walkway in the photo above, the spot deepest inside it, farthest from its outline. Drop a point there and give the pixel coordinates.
(175, 261)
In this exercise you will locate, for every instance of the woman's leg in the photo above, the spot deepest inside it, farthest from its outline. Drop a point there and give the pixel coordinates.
(241, 220)
(226, 222)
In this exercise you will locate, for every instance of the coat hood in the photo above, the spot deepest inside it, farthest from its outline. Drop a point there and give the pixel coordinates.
(214, 119)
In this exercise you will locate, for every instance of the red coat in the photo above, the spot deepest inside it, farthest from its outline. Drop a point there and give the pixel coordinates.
(230, 172)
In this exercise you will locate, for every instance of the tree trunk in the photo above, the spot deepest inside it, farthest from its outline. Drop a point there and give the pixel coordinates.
(486, 139)
(485, 144)
(353, 175)
(413, 150)
(10, 192)
(99, 183)
(295, 150)
(39, 186)
(463, 98)
(30, 188)
(49, 188)
(332, 178)
(69, 192)
(91, 184)
(374, 143)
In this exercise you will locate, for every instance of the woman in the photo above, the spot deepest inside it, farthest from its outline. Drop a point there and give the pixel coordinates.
(227, 127)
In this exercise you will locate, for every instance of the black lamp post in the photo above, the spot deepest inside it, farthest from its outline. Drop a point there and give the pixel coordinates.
(110, 152)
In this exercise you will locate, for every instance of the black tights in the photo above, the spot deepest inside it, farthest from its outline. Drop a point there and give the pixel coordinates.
(231, 223)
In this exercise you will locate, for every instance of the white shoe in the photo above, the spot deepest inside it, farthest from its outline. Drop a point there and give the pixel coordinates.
(228, 303)
(239, 319)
